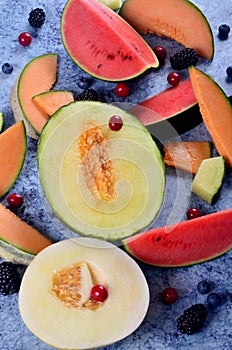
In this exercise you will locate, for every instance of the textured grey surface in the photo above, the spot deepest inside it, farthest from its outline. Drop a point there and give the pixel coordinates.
(158, 331)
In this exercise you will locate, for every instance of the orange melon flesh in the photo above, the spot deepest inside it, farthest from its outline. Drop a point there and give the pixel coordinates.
(50, 101)
(18, 233)
(176, 19)
(39, 75)
(216, 112)
(13, 145)
(187, 155)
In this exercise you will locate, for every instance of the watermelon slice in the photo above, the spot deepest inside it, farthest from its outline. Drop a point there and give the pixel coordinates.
(186, 243)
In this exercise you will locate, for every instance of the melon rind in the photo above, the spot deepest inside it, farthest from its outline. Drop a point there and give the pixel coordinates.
(1, 121)
(113, 50)
(180, 20)
(13, 254)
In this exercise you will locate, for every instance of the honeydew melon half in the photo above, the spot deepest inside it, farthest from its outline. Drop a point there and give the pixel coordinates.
(179, 20)
(99, 182)
(85, 325)
(102, 43)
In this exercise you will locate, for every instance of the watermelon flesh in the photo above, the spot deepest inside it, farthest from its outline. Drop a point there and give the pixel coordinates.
(102, 43)
(186, 243)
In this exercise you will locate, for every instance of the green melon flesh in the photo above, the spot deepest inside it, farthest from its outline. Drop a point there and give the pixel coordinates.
(113, 4)
(64, 327)
(180, 20)
(68, 181)
(208, 179)
(185, 243)
(102, 43)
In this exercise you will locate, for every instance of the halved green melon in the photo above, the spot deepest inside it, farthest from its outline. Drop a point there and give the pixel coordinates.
(180, 20)
(216, 111)
(1, 121)
(13, 147)
(185, 243)
(176, 106)
(67, 321)
(37, 76)
(102, 183)
(102, 43)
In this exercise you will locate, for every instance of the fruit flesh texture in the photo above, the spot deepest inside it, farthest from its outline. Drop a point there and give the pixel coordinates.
(38, 75)
(50, 101)
(175, 154)
(110, 189)
(13, 146)
(18, 233)
(124, 309)
(120, 54)
(175, 19)
(216, 112)
(185, 243)
(208, 179)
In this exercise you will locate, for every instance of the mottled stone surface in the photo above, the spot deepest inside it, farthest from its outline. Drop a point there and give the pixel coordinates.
(158, 331)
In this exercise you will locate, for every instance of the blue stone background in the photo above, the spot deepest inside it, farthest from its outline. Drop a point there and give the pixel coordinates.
(158, 331)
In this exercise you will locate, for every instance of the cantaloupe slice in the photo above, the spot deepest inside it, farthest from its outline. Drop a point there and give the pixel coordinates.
(216, 111)
(19, 234)
(50, 101)
(13, 146)
(180, 20)
(1, 121)
(39, 75)
(187, 155)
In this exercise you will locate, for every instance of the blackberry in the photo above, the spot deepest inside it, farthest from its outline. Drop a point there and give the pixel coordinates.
(184, 59)
(37, 18)
(192, 319)
(10, 279)
(87, 94)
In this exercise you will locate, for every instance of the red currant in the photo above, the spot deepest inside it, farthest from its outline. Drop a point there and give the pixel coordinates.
(160, 52)
(122, 90)
(173, 78)
(15, 200)
(99, 293)
(193, 213)
(25, 38)
(169, 295)
(115, 123)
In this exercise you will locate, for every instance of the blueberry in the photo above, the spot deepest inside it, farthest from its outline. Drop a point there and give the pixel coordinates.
(229, 71)
(7, 68)
(223, 31)
(203, 287)
(213, 300)
(83, 83)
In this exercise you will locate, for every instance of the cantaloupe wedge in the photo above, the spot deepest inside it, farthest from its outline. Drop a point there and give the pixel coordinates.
(13, 146)
(19, 234)
(39, 75)
(216, 111)
(180, 20)
(50, 101)
(187, 155)
(1, 121)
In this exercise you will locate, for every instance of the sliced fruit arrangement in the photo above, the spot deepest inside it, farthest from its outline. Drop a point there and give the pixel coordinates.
(120, 54)
(208, 179)
(100, 170)
(84, 265)
(176, 106)
(50, 101)
(187, 155)
(13, 147)
(1, 121)
(179, 20)
(39, 75)
(216, 111)
(185, 243)
(19, 242)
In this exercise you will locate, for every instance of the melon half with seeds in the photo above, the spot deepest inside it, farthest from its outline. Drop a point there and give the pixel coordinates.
(100, 182)
(56, 302)
(179, 20)
(102, 43)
